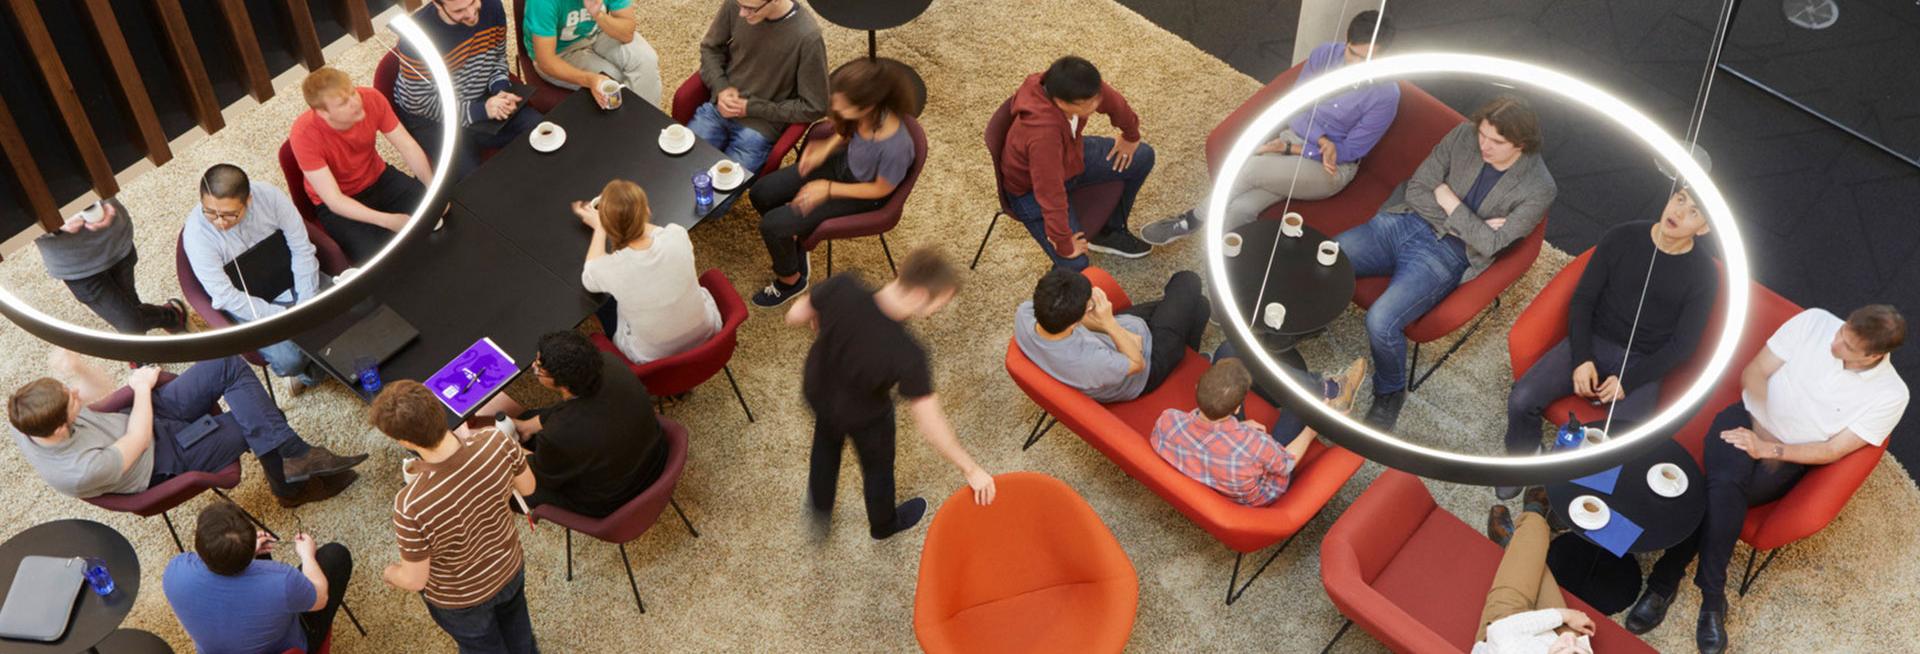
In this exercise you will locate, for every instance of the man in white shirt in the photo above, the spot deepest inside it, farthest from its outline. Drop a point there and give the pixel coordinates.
(1821, 389)
(233, 216)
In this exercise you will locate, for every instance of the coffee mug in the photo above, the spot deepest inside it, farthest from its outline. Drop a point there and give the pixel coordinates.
(94, 213)
(1232, 244)
(677, 133)
(1329, 252)
(545, 129)
(1595, 436)
(611, 91)
(1293, 224)
(1275, 315)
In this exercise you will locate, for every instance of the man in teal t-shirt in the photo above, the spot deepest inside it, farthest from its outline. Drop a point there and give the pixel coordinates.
(577, 43)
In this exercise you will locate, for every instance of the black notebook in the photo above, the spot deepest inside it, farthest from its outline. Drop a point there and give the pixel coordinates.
(266, 268)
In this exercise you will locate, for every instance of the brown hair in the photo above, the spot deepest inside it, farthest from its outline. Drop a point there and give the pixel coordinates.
(1880, 327)
(224, 539)
(1223, 388)
(927, 269)
(407, 411)
(1514, 119)
(325, 83)
(38, 408)
(624, 212)
(880, 85)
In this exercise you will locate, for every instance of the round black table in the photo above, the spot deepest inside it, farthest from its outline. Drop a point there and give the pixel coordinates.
(96, 617)
(1665, 521)
(1313, 294)
(874, 15)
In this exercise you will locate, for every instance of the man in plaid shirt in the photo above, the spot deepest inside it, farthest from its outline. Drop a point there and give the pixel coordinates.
(1237, 457)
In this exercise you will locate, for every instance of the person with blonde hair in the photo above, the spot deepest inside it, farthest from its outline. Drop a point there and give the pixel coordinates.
(658, 307)
(361, 201)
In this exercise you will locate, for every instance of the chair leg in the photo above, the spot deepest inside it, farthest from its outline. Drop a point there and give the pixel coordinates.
(829, 258)
(569, 553)
(352, 618)
(268, 376)
(1746, 580)
(889, 252)
(630, 583)
(1234, 595)
(1040, 428)
(683, 517)
(1477, 322)
(736, 392)
(176, 534)
(243, 511)
(983, 240)
(1336, 637)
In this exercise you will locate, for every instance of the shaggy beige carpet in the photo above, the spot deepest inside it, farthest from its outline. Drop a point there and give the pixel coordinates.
(756, 579)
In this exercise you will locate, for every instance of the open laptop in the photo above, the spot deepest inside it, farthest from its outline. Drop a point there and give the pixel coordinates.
(369, 329)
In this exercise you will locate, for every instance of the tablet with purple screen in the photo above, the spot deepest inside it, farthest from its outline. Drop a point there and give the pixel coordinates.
(472, 376)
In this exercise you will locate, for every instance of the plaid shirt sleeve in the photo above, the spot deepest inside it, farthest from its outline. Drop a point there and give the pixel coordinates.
(1238, 459)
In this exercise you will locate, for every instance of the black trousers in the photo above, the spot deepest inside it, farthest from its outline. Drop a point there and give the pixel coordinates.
(1177, 322)
(873, 443)
(336, 564)
(395, 192)
(1735, 481)
(782, 226)
(111, 295)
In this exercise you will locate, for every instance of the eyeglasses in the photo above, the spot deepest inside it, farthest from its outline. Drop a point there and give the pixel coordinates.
(223, 216)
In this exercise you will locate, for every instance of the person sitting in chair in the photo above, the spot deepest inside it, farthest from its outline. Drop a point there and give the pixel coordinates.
(766, 65)
(1524, 611)
(1069, 329)
(233, 598)
(1215, 445)
(361, 201)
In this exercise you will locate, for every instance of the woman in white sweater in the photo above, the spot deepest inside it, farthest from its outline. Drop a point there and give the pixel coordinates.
(1525, 613)
(658, 307)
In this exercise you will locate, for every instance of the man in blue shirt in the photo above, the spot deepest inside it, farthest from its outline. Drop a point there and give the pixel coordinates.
(233, 598)
(1319, 151)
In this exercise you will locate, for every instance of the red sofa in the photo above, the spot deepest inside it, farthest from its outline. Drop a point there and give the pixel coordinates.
(1416, 577)
(1120, 431)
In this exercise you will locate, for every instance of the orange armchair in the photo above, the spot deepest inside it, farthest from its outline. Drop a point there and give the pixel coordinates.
(1037, 571)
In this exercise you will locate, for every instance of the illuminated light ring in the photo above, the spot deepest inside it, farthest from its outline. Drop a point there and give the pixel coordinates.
(284, 325)
(1441, 464)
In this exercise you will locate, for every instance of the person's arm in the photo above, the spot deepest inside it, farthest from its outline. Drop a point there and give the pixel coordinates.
(305, 258)
(548, 61)
(1119, 113)
(89, 380)
(205, 258)
(1046, 169)
(347, 207)
(410, 576)
(713, 49)
(1489, 240)
(1432, 172)
(1373, 124)
(524, 482)
(1100, 319)
(139, 434)
(310, 568)
(410, 152)
(1586, 296)
(811, 94)
(1519, 626)
(621, 23)
(1764, 447)
(1753, 384)
(1687, 333)
(802, 312)
(1297, 448)
(817, 153)
(596, 244)
(938, 433)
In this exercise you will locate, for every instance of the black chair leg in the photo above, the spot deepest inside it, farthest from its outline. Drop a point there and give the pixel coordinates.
(353, 618)
(243, 511)
(176, 534)
(1477, 322)
(683, 517)
(736, 392)
(829, 258)
(1234, 595)
(983, 241)
(889, 252)
(1336, 637)
(1040, 428)
(1746, 580)
(569, 553)
(630, 583)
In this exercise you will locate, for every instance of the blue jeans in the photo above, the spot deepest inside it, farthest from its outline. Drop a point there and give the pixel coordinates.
(251, 424)
(744, 145)
(1424, 270)
(466, 150)
(1288, 425)
(284, 358)
(498, 625)
(1026, 208)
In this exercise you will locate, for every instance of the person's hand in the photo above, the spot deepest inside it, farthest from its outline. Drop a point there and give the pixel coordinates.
(1122, 153)
(501, 105)
(1079, 247)
(1578, 621)
(1496, 223)
(106, 218)
(1586, 380)
(599, 98)
(589, 216)
(1610, 390)
(1329, 157)
(594, 7)
(983, 488)
(811, 196)
(1444, 194)
(730, 103)
(1276, 146)
(1745, 440)
(1099, 316)
(304, 545)
(262, 542)
(143, 378)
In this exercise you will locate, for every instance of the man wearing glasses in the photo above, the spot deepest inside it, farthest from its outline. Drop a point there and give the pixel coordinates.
(766, 64)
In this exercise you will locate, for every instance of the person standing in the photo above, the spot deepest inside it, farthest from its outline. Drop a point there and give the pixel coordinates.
(861, 352)
(96, 261)
(472, 36)
(577, 43)
(233, 598)
(766, 65)
(361, 201)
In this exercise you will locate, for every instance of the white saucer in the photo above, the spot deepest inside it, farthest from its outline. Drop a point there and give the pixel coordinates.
(723, 186)
(670, 149)
(559, 138)
(1661, 486)
(1589, 521)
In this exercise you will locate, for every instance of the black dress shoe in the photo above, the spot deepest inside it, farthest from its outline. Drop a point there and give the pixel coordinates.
(1711, 635)
(1648, 612)
(1385, 411)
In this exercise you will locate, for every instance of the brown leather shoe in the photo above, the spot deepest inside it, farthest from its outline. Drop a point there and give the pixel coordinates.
(318, 462)
(1499, 524)
(319, 489)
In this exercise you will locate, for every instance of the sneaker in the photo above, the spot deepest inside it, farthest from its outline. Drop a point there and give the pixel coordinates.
(180, 323)
(1170, 229)
(777, 293)
(1120, 243)
(905, 517)
(1385, 411)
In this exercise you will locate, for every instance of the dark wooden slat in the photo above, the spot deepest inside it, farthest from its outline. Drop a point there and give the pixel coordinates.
(359, 22)
(193, 72)
(306, 38)
(410, 5)
(54, 73)
(246, 46)
(40, 202)
(133, 90)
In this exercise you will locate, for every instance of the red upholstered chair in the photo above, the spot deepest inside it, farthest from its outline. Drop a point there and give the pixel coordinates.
(634, 518)
(1121, 430)
(1416, 577)
(546, 96)
(164, 496)
(1037, 571)
(693, 93)
(1420, 123)
(878, 221)
(297, 187)
(325, 647)
(385, 73)
(1089, 202)
(681, 372)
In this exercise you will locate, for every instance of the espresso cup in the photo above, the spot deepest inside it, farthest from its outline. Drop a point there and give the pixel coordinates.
(1293, 224)
(1590, 506)
(1671, 474)
(94, 213)
(546, 130)
(1231, 244)
(1594, 435)
(725, 169)
(1275, 315)
(1329, 252)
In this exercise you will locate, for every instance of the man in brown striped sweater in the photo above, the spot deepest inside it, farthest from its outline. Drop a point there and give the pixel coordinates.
(458, 547)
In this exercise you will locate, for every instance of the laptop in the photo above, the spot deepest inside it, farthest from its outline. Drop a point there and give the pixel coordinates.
(267, 268)
(369, 329)
(40, 603)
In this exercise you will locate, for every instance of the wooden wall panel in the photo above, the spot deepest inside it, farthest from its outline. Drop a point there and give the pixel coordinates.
(359, 22)
(40, 202)
(246, 46)
(193, 72)
(54, 74)
(306, 38)
(133, 91)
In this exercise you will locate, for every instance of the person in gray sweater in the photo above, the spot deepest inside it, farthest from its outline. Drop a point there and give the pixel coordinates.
(93, 253)
(766, 65)
(1482, 189)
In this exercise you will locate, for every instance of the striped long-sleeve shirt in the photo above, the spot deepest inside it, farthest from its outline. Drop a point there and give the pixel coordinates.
(454, 515)
(476, 55)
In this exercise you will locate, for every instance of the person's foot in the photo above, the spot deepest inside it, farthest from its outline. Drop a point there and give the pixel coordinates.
(1499, 524)
(317, 462)
(180, 313)
(1385, 411)
(905, 517)
(1648, 611)
(1711, 634)
(319, 489)
(778, 292)
(296, 387)
(1355, 373)
(1172, 228)
(1504, 493)
(1536, 501)
(1120, 243)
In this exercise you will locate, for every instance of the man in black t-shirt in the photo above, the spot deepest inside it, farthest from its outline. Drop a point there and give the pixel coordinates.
(861, 352)
(600, 446)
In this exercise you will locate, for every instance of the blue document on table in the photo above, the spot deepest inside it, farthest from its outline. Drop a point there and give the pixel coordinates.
(472, 376)
(1618, 534)
(1601, 481)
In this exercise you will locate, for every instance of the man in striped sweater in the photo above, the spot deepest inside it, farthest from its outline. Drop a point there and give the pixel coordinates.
(472, 36)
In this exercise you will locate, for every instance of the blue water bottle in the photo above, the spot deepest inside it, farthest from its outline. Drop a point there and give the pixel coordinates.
(367, 369)
(98, 578)
(1571, 435)
(702, 193)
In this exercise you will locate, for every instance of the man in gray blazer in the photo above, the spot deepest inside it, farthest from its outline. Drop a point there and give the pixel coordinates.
(1483, 188)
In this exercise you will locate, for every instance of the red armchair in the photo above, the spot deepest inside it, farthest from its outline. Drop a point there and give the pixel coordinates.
(637, 515)
(1036, 572)
(164, 496)
(681, 372)
(1420, 122)
(693, 93)
(546, 96)
(1120, 431)
(297, 187)
(1416, 577)
(1094, 204)
(386, 73)
(878, 221)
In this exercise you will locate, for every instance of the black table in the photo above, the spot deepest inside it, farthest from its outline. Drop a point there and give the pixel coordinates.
(1313, 294)
(1665, 520)
(96, 617)
(874, 15)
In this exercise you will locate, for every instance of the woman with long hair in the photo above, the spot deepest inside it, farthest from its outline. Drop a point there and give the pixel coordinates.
(658, 307)
(852, 171)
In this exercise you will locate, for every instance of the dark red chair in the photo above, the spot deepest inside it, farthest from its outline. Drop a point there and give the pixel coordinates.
(1094, 204)
(669, 376)
(386, 73)
(546, 96)
(878, 221)
(160, 498)
(694, 92)
(326, 646)
(634, 518)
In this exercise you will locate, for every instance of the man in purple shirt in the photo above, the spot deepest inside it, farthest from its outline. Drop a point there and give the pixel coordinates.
(1319, 151)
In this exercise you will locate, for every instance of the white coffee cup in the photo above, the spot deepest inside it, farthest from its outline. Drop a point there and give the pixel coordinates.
(676, 135)
(1275, 315)
(1293, 224)
(611, 91)
(1589, 512)
(407, 470)
(94, 213)
(1667, 480)
(546, 130)
(1594, 436)
(1329, 252)
(727, 169)
(1231, 244)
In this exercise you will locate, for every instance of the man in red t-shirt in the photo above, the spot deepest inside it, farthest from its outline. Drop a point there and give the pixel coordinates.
(361, 201)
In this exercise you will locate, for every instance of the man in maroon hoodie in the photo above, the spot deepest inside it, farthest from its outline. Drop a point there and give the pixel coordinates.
(1045, 156)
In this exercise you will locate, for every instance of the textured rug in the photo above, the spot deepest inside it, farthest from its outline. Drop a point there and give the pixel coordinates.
(757, 578)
